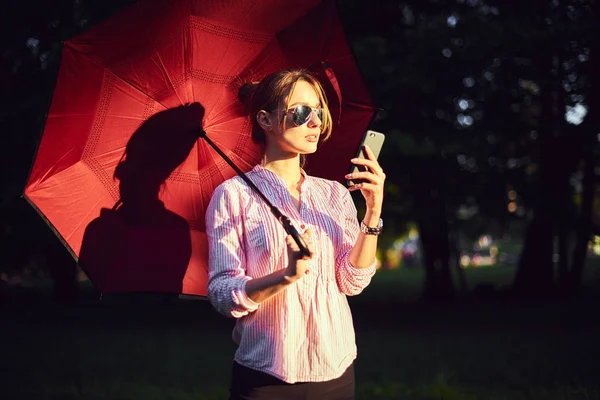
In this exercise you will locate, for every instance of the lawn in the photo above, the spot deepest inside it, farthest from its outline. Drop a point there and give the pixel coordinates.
(182, 350)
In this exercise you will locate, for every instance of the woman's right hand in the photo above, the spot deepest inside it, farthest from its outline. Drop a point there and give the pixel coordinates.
(298, 263)
(263, 288)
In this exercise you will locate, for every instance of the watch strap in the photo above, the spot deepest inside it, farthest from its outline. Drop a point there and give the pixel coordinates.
(371, 231)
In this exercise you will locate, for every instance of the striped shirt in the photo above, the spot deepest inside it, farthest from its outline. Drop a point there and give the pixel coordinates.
(305, 332)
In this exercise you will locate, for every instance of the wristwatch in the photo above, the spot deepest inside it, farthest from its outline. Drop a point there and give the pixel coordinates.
(371, 231)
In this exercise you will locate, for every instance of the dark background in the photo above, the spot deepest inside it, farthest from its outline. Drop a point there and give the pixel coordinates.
(490, 109)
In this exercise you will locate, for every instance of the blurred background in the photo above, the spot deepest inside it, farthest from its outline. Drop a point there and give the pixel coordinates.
(491, 113)
(492, 141)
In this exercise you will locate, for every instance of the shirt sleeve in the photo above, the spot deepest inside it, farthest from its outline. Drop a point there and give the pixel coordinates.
(351, 280)
(226, 254)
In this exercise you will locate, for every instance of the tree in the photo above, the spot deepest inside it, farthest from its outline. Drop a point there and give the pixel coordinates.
(482, 85)
(564, 149)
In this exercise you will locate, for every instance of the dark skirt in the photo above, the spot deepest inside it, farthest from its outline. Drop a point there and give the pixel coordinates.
(249, 384)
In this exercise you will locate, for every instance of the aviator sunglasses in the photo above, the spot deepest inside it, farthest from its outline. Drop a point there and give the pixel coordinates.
(301, 113)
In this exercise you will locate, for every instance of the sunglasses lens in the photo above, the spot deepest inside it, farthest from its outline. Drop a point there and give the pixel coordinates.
(302, 114)
(319, 112)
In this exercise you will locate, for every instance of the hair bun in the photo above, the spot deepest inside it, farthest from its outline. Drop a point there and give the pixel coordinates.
(246, 92)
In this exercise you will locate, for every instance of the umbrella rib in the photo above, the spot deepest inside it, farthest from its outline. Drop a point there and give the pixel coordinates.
(50, 171)
(119, 150)
(115, 74)
(223, 58)
(136, 88)
(166, 74)
(188, 57)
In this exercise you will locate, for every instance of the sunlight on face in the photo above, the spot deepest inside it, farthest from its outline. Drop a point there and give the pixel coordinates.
(289, 139)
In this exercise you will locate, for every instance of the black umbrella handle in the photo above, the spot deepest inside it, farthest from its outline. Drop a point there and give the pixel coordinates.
(289, 228)
(285, 221)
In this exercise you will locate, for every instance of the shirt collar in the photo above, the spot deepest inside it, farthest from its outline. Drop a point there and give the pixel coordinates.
(276, 181)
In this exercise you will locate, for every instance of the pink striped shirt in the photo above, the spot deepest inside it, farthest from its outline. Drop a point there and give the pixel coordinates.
(305, 332)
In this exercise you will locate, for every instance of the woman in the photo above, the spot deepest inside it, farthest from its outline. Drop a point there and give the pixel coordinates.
(294, 326)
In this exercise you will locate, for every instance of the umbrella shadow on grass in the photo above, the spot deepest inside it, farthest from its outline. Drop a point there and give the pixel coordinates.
(128, 248)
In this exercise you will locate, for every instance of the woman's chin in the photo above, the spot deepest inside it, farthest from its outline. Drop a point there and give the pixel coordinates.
(310, 149)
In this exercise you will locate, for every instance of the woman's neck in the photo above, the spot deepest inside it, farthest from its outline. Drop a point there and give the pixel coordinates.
(287, 169)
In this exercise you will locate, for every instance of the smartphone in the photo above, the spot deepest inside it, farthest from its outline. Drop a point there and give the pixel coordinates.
(372, 139)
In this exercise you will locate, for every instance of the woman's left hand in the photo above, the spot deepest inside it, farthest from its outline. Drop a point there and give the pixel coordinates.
(372, 188)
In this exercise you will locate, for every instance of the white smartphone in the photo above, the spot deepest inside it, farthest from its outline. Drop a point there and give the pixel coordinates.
(374, 140)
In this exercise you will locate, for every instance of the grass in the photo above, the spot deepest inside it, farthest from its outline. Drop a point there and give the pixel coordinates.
(183, 350)
(479, 365)
(405, 284)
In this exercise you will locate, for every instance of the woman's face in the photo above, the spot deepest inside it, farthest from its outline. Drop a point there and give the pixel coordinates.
(287, 138)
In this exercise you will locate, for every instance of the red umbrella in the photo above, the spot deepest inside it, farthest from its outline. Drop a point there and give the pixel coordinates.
(127, 94)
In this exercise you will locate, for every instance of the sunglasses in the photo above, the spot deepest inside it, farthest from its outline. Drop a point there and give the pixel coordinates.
(301, 114)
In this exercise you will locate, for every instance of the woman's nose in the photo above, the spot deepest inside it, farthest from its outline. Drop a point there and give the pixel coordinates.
(313, 119)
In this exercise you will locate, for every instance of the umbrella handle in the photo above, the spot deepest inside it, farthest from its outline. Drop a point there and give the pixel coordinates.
(289, 228)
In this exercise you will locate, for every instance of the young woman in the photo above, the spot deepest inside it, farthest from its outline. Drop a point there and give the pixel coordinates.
(294, 326)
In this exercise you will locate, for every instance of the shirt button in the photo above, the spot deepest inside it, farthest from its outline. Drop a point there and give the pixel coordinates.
(302, 226)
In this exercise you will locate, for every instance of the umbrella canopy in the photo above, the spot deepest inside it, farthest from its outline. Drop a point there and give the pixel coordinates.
(117, 174)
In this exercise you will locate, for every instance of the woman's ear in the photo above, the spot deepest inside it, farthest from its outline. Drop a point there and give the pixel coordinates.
(264, 120)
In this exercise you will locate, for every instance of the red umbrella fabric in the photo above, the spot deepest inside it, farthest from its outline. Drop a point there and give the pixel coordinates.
(117, 174)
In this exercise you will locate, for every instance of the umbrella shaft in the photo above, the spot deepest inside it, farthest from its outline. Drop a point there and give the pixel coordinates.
(285, 221)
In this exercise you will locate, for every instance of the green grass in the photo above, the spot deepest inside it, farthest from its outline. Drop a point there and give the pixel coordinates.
(404, 284)
(170, 354)
(183, 350)
(123, 352)
(452, 364)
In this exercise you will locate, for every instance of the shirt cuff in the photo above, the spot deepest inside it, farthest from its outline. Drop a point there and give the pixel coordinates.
(242, 299)
(370, 270)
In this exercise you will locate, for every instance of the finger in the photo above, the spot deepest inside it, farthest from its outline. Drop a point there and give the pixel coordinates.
(297, 253)
(366, 177)
(310, 245)
(307, 237)
(369, 176)
(369, 187)
(369, 153)
(291, 243)
(371, 164)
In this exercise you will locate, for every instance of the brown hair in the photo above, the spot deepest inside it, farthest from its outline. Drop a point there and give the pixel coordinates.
(274, 88)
